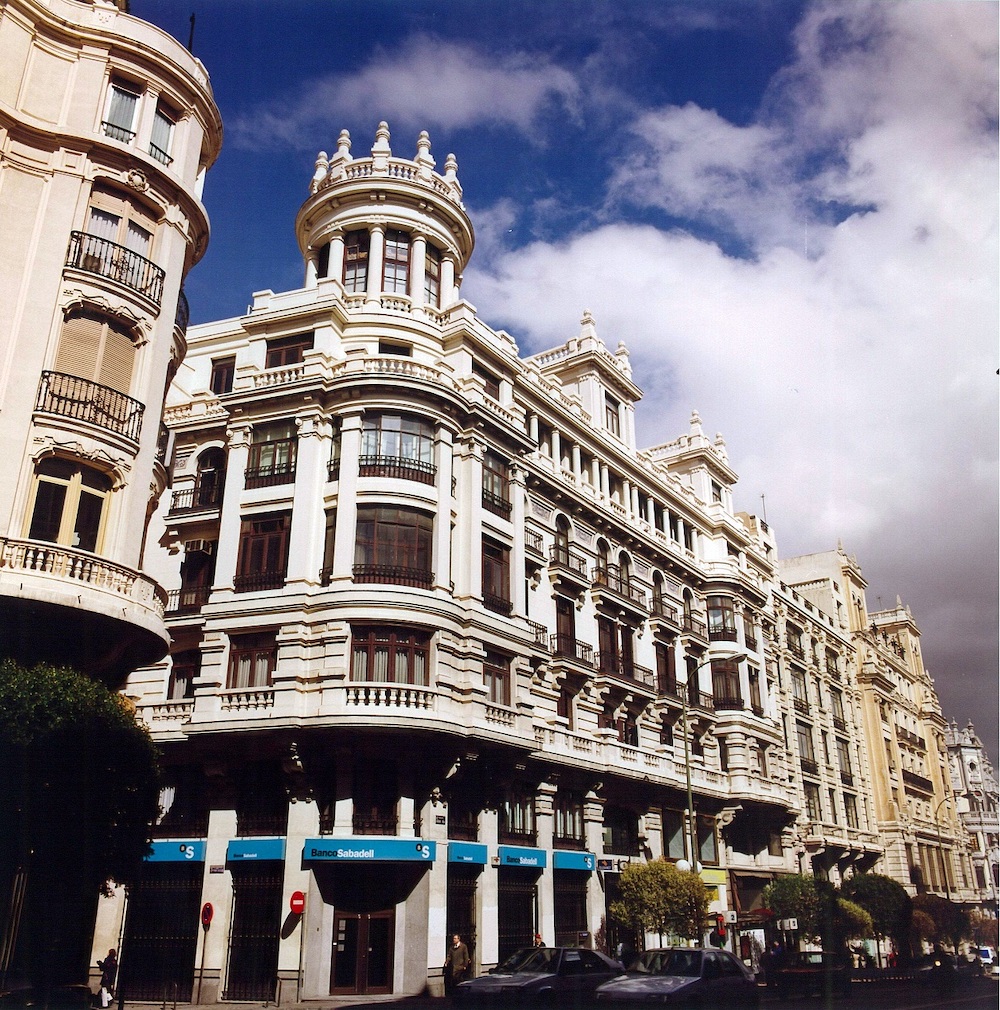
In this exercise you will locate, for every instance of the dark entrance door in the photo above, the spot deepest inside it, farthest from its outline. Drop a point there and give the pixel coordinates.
(161, 933)
(570, 899)
(517, 900)
(362, 952)
(462, 881)
(253, 940)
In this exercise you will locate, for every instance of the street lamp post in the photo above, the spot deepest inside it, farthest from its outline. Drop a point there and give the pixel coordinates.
(692, 840)
(944, 863)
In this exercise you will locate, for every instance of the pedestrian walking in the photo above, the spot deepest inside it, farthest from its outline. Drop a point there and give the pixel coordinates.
(456, 964)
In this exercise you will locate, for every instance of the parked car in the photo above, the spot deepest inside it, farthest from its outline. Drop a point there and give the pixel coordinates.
(680, 975)
(808, 972)
(543, 975)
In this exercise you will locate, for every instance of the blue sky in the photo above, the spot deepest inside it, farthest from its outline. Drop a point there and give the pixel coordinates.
(788, 212)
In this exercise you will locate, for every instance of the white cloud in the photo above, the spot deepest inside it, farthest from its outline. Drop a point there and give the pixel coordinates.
(427, 83)
(854, 380)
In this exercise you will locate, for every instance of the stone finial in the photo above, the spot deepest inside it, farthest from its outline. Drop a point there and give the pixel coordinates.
(322, 167)
(451, 174)
(720, 446)
(344, 145)
(381, 145)
(588, 328)
(424, 148)
(696, 429)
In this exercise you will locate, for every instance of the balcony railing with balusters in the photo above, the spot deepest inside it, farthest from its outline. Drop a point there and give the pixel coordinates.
(666, 610)
(180, 601)
(397, 468)
(540, 632)
(569, 560)
(496, 504)
(116, 262)
(618, 581)
(399, 575)
(695, 626)
(115, 132)
(191, 499)
(571, 648)
(533, 541)
(801, 705)
(498, 604)
(632, 673)
(83, 400)
(726, 703)
(809, 766)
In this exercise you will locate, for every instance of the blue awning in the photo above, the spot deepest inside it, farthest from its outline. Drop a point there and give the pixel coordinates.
(255, 848)
(369, 850)
(466, 852)
(190, 851)
(517, 855)
(563, 859)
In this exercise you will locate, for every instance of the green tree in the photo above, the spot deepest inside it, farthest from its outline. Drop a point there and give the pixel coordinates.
(656, 897)
(951, 921)
(886, 902)
(985, 930)
(795, 896)
(78, 788)
(853, 922)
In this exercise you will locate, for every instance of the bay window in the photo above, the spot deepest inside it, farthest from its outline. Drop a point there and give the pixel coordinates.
(389, 655)
(271, 459)
(263, 553)
(396, 446)
(70, 504)
(726, 685)
(496, 485)
(393, 545)
(721, 619)
(568, 828)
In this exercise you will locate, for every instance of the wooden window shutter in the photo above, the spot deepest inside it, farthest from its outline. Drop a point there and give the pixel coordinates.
(117, 360)
(79, 345)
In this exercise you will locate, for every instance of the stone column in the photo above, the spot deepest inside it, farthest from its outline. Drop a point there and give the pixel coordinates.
(489, 921)
(229, 526)
(468, 573)
(335, 269)
(517, 495)
(575, 460)
(593, 831)
(605, 481)
(418, 254)
(305, 541)
(533, 428)
(444, 458)
(449, 290)
(217, 888)
(376, 261)
(545, 829)
(555, 448)
(347, 498)
(303, 823)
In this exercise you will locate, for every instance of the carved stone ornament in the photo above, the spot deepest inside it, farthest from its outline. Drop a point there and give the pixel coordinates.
(137, 180)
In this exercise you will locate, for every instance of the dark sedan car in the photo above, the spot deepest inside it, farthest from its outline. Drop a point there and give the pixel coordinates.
(543, 975)
(809, 972)
(683, 975)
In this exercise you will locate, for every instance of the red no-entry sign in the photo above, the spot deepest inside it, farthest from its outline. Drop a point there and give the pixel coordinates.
(297, 902)
(206, 914)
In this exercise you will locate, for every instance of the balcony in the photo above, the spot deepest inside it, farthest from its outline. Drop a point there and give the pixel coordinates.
(728, 704)
(254, 582)
(160, 155)
(397, 468)
(847, 778)
(722, 634)
(801, 706)
(613, 579)
(540, 633)
(398, 575)
(498, 604)
(569, 566)
(108, 259)
(83, 400)
(196, 499)
(701, 701)
(567, 647)
(840, 723)
(665, 611)
(626, 672)
(751, 642)
(116, 132)
(918, 782)
(183, 313)
(184, 601)
(795, 648)
(534, 542)
(496, 504)
(809, 766)
(695, 627)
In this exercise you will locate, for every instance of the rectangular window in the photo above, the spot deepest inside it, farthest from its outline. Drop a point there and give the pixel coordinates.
(749, 631)
(399, 350)
(621, 831)
(491, 384)
(803, 735)
(390, 655)
(223, 373)
(496, 676)
(184, 668)
(263, 554)
(793, 639)
(800, 693)
(568, 810)
(708, 845)
(844, 758)
(496, 485)
(119, 122)
(398, 447)
(496, 577)
(252, 661)
(396, 270)
(162, 135)
(612, 414)
(837, 709)
(329, 540)
(756, 702)
(432, 275)
(271, 459)
(814, 810)
(287, 350)
(517, 817)
(393, 545)
(851, 810)
(666, 669)
(356, 261)
(673, 834)
(726, 686)
(833, 806)
(721, 619)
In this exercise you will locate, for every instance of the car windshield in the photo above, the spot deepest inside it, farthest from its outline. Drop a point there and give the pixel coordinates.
(537, 959)
(686, 963)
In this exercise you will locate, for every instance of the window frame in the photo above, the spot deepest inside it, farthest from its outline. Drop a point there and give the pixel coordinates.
(357, 249)
(398, 548)
(271, 460)
(223, 374)
(161, 153)
(260, 647)
(412, 645)
(262, 559)
(396, 262)
(432, 275)
(497, 677)
(612, 415)
(496, 574)
(285, 351)
(117, 86)
(72, 482)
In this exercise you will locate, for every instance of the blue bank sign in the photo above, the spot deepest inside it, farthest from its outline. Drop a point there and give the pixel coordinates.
(369, 850)
(177, 852)
(255, 848)
(516, 855)
(466, 852)
(563, 859)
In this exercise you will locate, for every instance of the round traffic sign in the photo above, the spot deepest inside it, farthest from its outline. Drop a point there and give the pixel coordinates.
(297, 902)
(206, 914)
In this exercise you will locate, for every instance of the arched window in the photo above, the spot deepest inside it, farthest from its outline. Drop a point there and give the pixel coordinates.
(560, 547)
(69, 504)
(211, 478)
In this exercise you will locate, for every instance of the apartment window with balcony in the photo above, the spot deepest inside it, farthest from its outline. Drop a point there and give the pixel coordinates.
(833, 664)
(568, 828)
(517, 817)
(117, 243)
(496, 577)
(800, 692)
(271, 459)
(101, 350)
(496, 677)
(621, 831)
(223, 373)
(120, 111)
(565, 705)
(756, 700)
(616, 645)
(666, 668)
(612, 415)
(356, 245)
(396, 446)
(721, 619)
(807, 756)
(396, 269)
(793, 638)
(723, 756)
(726, 686)
(184, 668)
(287, 350)
(762, 766)
(837, 709)
(674, 842)
(814, 809)
(749, 631)
(496, 485)
(329, 541)
(70, 503)
(432, 275)
(211, 479)
(252, 660)
(844, 760)
(197, 575)
(666, 734)
(389, 655)
(393, 545)
(263, 553)
(851, 810)
(162, 135)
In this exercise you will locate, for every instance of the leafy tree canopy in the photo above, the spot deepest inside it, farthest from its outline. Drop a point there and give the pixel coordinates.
(885, 900)
(658, 898)
(950, 921)
(795, 896)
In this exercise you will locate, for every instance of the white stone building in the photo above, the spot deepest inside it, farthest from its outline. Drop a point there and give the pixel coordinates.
(437, 626)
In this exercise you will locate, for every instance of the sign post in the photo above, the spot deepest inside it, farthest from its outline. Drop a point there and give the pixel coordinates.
(206, 920)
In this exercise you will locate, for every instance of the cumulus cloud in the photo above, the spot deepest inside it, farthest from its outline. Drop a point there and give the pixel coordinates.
(427, 83)
(850, 361)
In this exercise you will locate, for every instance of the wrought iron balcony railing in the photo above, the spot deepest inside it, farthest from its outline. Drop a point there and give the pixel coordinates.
(619, 582)
(83, 400)
(252, 582)
(399, 575)
(496, 504)
(397, 467)
(116, 262)
(116, 132)
(571, 648)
